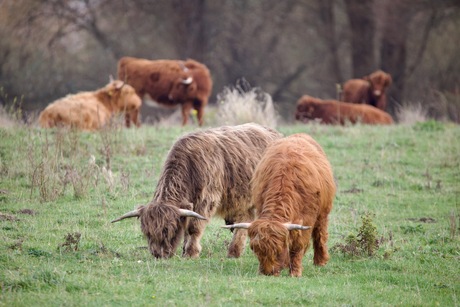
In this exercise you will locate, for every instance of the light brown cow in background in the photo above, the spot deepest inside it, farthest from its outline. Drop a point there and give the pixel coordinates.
(168, 83)
(293, 190)
(335, 112)
(368, 90)
(90, 110)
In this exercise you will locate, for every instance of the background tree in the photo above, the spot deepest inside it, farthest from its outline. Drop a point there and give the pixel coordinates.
(50, 48)
(362, 36)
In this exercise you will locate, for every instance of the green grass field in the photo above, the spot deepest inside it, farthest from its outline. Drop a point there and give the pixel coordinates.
(58, 247)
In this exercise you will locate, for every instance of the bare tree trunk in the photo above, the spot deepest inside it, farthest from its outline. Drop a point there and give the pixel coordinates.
(327, 17)
(361, 17)
(190, 28)
(393, 47)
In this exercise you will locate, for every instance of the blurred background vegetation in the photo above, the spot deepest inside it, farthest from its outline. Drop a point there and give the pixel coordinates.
(49, 48)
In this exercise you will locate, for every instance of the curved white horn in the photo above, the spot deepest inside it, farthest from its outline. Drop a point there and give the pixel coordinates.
(111, 78)
(187, 81)
(238, 225)
(290, 226)
(120, 86)
(134, 213)
(190, 213)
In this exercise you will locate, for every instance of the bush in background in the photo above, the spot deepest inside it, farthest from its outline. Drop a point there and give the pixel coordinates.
(411, 113)
(243, 104)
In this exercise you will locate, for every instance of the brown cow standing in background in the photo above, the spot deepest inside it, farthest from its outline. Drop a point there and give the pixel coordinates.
(168, 83)
(335, 112)
(293, 190)
(368, 90)
(91, 110)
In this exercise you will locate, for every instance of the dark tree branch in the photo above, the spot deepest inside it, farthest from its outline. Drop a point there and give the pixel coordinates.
(287, 81)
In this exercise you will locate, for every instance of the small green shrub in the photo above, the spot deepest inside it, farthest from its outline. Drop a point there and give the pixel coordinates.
(412, 229)
(365, 243)
(430, 125)
(71, 242)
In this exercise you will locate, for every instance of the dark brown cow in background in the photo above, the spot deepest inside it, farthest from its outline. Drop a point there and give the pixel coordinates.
(168, 83)
(368, 90)
(335, 112)
(293, 190)
(206, 173)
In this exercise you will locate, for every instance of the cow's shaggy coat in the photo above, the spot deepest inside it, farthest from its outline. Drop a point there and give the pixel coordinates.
(168, 83)
(335, 112)
(368, 90)
(208, 172)
(293, 183)
(90, 110)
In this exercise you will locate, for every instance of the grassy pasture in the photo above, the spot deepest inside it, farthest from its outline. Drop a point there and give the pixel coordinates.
(58, 247)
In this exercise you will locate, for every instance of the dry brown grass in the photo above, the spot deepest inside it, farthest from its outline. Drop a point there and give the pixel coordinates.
(408, 114)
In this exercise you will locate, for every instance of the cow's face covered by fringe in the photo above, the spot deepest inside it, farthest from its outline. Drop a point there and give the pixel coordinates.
(163, 226)
(378, 81)
(269, 241)
(182, 89)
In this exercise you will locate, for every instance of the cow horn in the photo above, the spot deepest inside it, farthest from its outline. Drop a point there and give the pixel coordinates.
(290, 226)
(238, 225)
(110, 78)
(119, 87)
(190, 213)
(134, 213)
(187, 81)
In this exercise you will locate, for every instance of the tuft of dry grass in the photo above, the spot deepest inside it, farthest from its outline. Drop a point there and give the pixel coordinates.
(5, 119)
(411, 113)
(243, 104)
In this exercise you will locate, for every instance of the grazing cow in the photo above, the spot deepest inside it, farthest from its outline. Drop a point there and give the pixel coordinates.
(168, 83)
(293, 190)
(206, 173)
(91, 110)
(335, 112)
(369, 90)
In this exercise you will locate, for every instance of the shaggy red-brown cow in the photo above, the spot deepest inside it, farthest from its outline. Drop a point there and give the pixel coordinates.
(206, 173)
(91, 110)
(335, 112)
(293, 190)
(168, 83)
(369, 90)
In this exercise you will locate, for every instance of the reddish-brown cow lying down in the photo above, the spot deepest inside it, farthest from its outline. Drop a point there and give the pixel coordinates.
(90, 110)
(206, 173)
(168, 83)
(368, 90)
(335, 112)
(293, 190)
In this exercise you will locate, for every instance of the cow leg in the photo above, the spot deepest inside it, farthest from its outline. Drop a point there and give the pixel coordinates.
(135, 118)
(236, 247)
(186, 108)
(382, 102)
(199, 115)
(127, 119)
(238, 243)
(295, 266)
(192, 247)
(320, 236)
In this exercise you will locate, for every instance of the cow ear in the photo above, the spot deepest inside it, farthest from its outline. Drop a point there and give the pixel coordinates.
(388, 80)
